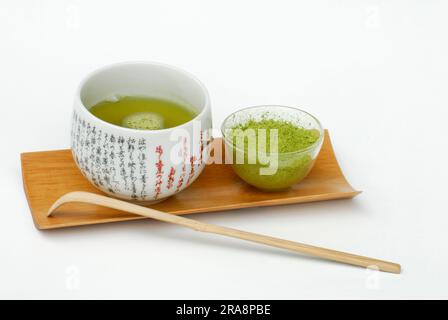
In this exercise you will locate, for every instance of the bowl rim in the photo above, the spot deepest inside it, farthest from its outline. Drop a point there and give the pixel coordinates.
(189, 75)
(316, 144)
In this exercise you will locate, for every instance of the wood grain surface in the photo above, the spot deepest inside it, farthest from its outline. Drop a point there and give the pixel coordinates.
(47, 175)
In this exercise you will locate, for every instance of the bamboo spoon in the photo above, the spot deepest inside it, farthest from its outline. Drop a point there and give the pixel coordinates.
(328, 254)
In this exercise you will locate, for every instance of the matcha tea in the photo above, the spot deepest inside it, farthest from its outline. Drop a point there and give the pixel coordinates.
(143, 113)
(293, 165)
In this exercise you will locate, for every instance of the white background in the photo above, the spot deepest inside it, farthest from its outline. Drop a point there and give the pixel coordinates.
(374, 72)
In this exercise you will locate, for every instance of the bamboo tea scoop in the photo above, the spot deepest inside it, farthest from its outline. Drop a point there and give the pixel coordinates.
(328, 254)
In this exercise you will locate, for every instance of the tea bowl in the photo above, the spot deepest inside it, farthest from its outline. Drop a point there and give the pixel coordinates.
(140, 165)
(290, 167)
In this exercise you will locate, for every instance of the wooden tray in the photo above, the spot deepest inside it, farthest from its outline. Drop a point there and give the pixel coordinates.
(48, 175)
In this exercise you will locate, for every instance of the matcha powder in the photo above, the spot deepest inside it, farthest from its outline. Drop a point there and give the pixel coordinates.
(291, 138)
(293, 165)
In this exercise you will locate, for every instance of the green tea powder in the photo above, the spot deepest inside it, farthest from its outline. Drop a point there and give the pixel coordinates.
(293, 165)
(143, 121)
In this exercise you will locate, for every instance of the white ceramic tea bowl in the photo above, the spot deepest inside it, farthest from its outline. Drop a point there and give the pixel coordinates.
(140, 165)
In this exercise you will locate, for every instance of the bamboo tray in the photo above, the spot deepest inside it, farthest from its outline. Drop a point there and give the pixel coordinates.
(47, 175)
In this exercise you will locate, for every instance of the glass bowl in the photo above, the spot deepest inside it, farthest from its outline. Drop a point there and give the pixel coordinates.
(291, 167)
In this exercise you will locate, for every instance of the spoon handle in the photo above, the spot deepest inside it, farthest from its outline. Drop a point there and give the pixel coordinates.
(327, 254)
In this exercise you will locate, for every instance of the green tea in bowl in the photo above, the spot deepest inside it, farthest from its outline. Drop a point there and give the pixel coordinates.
(143, 113)
(141, 131)
(272, 147)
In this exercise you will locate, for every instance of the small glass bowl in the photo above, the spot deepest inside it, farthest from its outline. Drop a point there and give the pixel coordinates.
(292, 167)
